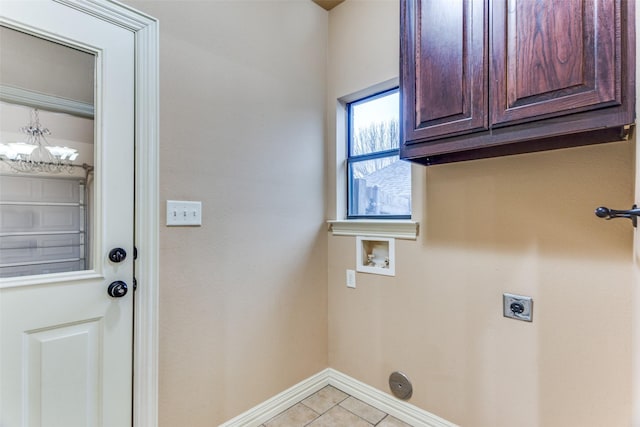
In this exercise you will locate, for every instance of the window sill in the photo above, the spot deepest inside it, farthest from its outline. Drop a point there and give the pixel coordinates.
(399, 229)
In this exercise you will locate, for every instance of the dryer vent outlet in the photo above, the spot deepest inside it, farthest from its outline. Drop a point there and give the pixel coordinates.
(400, 385)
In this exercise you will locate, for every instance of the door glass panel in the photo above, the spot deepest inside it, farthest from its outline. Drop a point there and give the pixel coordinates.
(46, 155)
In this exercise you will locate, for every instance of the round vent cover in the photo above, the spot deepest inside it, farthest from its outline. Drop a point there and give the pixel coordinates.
(400, 385)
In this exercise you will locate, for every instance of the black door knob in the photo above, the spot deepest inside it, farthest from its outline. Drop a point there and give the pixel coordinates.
(117, 255)
(117, 289)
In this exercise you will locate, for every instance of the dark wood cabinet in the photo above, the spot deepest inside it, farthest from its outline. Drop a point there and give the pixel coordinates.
(483, 78)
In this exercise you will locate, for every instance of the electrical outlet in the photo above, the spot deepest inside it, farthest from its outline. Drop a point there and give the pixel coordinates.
(351, 279)
(517, 307)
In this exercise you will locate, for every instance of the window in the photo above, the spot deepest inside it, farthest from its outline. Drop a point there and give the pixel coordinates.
(379, 183)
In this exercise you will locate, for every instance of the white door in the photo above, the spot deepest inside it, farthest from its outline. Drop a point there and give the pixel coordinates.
(65, 344)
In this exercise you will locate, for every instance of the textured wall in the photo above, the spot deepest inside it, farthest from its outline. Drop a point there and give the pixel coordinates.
(521, 224)
(243, 298)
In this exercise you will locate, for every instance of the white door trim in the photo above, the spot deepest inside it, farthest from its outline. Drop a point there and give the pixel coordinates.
(635, 315)
(145, 30)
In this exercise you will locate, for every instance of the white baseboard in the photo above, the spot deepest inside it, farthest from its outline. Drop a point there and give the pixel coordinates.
(402, 410)
(272, 407)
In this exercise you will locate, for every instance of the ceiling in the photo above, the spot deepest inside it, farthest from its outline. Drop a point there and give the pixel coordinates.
(327, 4)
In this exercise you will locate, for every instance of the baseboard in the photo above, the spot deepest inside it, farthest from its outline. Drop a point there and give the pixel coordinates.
(272, 407)
(402, 410)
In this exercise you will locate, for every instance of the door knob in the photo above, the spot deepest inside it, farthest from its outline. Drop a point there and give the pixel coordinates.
(606, 213)
(117, 255)
(117, 289)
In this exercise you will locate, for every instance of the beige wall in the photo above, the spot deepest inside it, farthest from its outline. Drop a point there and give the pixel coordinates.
(521, 224)
(243, 303)
(244, 297)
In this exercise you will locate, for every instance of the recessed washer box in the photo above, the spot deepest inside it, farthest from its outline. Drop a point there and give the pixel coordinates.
(376, 255)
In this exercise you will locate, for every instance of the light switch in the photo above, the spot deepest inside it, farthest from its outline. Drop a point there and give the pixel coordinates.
(184, 213)
(351, 279)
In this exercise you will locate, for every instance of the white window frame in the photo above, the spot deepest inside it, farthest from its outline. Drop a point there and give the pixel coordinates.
(354, 159)
(400, 229)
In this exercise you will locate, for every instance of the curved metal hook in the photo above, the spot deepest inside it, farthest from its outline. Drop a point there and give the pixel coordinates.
(606, 213)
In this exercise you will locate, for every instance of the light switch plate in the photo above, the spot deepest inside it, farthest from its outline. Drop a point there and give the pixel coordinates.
(351, 279)
(184, 213)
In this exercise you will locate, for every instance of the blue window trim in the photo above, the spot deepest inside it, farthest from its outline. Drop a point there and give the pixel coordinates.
(363, 157)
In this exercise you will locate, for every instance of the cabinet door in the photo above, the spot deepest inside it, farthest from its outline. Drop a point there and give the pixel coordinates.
(553, 57)
(443, 68)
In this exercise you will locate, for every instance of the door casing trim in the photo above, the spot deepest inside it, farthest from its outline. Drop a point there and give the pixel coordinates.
(145, 359)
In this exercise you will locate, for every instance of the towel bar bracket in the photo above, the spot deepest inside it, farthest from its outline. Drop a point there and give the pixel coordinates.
(606, 213)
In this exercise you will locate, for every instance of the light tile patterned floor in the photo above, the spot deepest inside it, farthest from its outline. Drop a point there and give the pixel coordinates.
(331, 407)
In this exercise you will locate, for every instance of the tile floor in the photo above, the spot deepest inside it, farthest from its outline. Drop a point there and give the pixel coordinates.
(331, 407)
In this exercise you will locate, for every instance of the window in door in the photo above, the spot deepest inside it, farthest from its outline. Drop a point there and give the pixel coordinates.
(46, 156)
